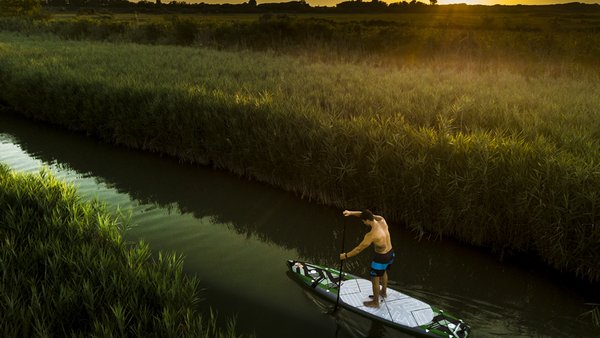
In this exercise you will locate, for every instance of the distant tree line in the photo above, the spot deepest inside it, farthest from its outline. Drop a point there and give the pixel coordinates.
(251, 6)
(300, 6)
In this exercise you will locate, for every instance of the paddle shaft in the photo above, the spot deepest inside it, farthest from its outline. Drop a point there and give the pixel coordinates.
(337, 301)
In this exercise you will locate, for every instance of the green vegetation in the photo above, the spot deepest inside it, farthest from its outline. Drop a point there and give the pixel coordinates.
(594, 314)
(445, 34)
(475, 150)
(19, 7)
(66, 271)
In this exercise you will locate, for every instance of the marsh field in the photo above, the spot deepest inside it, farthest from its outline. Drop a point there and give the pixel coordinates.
(482, 126)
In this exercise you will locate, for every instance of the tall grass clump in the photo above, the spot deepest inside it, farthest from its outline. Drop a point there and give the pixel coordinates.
(490, 156)
(66, 270)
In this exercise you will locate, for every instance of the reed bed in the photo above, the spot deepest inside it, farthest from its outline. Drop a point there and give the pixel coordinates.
(497, 158)
(66, 271)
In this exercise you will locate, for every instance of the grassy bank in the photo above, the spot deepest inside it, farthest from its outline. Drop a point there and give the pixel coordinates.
(491, 156)
(66, 271)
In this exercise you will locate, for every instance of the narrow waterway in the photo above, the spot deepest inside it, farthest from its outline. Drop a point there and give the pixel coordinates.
(236, 236)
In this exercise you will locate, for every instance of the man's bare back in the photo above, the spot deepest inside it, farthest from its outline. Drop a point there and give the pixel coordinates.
(380, 234)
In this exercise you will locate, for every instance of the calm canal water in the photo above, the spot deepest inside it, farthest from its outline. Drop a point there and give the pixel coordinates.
(236, 236)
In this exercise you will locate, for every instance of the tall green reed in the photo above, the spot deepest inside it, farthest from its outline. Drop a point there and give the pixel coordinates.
(67, 271)
(493, 157)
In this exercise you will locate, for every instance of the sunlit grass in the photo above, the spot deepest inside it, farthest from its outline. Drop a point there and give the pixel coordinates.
(66, 271)
(493, 156)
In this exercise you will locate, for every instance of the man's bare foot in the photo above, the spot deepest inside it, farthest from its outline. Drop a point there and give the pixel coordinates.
(372, 303)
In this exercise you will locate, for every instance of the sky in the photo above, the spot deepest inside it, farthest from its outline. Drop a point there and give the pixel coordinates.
(510, 2)
(441, 2)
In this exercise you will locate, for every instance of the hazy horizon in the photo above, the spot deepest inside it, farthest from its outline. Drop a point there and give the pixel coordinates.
(441, 2)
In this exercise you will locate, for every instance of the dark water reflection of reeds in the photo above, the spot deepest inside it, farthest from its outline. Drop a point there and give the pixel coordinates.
(237, 234)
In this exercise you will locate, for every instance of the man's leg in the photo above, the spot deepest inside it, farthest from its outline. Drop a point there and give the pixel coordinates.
(384, 283)
(375, 301)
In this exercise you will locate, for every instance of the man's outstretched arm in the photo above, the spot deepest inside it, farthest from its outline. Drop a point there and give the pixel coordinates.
(352, 213)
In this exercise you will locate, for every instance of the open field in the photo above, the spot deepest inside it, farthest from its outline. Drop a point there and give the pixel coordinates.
(66, 270)
(511, 36)
(467, 18)
(497, 154)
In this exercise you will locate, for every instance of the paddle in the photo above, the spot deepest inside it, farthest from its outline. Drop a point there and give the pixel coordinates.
(337, 301)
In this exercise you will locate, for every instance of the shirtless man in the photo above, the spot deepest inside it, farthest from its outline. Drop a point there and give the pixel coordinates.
(379, 236)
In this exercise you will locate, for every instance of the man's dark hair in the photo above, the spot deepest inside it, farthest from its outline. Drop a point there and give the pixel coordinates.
(366, 215)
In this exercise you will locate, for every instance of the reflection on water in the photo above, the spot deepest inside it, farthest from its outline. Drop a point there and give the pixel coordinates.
(236, 236)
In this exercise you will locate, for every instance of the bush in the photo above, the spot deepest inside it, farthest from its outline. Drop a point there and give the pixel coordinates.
(184, 30)
(19, 7)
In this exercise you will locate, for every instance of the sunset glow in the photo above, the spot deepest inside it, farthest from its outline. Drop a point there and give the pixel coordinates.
(332, 3)
(509, 2)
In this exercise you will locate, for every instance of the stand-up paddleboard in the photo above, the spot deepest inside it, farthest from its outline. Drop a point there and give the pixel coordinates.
(397, 310)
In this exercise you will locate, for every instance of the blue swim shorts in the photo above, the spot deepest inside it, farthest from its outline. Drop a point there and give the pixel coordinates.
(381, 263)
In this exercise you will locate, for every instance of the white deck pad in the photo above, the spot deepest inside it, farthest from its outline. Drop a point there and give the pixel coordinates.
(396, 307)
